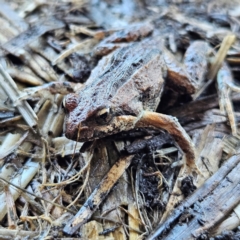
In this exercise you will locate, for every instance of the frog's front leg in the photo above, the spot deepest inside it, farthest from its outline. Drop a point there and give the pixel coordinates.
(172, 126)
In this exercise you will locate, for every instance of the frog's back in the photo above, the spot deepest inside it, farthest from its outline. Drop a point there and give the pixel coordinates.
(123, 84)
(129, 80)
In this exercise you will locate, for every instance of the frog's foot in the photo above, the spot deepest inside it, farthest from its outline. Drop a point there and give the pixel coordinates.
(225, 87)
(172, 126)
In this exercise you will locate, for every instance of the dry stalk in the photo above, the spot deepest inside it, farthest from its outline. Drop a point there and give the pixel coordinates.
(53, 122)
(221, 54)
(9, 141)
(70, 180)
(44, 69)
(99, 194)
(84, 46)
(24, 77)
(217, 62)
(82, 187)
(65, 147)
(11, 209)
(8, 13)
(10, 88)
(48, 53)
(140, 202)
(13, 147)
(21, 179)
(12, 234)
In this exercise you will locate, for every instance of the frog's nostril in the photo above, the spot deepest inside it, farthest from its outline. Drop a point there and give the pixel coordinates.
(71, 129)
(75, 131)
(69, 135)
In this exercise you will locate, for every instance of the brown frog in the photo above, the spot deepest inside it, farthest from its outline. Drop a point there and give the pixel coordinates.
(123, 93)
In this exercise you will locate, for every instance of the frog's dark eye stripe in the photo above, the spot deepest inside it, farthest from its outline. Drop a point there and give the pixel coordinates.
(103, 116)
(103, 111)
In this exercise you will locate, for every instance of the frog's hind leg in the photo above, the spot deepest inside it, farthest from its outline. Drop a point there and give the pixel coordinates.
(225, 85)
(172, 126)
(177, 77)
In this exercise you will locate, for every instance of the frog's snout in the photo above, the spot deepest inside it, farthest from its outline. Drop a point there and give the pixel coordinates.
(75, 131)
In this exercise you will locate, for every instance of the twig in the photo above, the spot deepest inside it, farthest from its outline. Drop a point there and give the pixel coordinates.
(98, 195)
(22, 179)
(41, 198)
(13, 147)
(10, 88)
(221, 54)
(11, 234)
(89, 43)
(11, 208)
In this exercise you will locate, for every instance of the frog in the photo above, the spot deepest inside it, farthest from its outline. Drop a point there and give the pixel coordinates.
(123, 92)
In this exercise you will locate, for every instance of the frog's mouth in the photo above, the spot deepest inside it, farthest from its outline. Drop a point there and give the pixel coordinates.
(91, 131)
(76, 132)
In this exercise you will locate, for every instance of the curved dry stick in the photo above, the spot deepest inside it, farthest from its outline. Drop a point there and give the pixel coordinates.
(173, 127)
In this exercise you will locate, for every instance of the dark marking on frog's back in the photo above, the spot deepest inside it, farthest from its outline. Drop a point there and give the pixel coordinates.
(123, 84)
(123, 64)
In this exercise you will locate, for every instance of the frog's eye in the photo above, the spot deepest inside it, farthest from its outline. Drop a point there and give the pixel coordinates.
(103, 116)
(70, 102)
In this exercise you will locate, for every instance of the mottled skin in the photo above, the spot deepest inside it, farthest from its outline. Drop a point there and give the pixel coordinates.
(131, 33)
(124, 84)
(121, 87)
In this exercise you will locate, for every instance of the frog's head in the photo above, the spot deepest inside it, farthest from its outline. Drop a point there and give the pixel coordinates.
(114, 96)
(87, 119)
